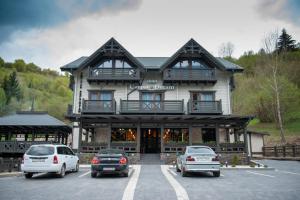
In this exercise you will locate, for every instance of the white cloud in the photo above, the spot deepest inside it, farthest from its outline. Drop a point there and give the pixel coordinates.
(157, 28)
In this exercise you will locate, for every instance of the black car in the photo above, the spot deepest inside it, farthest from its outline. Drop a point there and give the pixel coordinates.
(110, 161)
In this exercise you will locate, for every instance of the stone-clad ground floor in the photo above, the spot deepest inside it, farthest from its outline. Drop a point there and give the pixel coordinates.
(151, 182)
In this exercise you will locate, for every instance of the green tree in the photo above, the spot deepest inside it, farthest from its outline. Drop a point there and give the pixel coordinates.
(285, 42)
(19, 65)
(11, 87)
(1, 62)
(2, 101)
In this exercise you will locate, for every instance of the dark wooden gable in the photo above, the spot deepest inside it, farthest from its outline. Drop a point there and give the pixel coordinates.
(112, 49)
(193, 50)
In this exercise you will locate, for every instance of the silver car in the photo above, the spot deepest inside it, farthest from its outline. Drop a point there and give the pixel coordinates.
(198, 159)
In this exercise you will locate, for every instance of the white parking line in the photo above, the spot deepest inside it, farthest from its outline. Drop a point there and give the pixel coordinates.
(130, 188)
(286, 172)
(86, 173)
(222, 175)
(179, 190)
(260, 174)
(172, 172)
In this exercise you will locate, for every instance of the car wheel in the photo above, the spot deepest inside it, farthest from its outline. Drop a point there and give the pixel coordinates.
(62, 172)
(125, 174)
(183, 173)
(77, 167)
(217, 174)
(93, 174)
(28, 175)
(177, 168)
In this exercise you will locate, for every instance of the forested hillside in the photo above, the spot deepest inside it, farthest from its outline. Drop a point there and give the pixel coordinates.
(256, 91)
(45, 89)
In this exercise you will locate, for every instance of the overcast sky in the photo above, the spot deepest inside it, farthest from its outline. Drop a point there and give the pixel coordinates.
(52, 33)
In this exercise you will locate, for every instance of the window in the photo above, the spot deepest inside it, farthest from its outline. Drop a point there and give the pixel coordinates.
(60, 150)
(40, 151)
(114, 63)
(203, 96)
(101, 99)
(176, 135)
(194, 64)
(201, 150)
(151, 100)
(123, 134)
(208, 135)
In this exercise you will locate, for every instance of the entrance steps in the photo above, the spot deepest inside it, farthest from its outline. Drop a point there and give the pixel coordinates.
(150, 159)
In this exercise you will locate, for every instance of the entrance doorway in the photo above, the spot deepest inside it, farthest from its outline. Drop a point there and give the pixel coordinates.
(150, 140)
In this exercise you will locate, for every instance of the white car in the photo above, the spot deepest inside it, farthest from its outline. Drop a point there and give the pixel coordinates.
(49, 158)
(198, 159)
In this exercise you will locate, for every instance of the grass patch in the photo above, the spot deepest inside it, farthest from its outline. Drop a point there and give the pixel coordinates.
(291, 130)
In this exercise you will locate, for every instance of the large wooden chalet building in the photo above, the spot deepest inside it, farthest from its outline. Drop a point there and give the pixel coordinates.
(155, 104)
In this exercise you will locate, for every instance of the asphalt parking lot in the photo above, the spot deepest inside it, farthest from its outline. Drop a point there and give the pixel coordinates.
(161, 182)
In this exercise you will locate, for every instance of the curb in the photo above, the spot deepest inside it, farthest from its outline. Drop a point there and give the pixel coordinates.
(248, 168)
(10, 174)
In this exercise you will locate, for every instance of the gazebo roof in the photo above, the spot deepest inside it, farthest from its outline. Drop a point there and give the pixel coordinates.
(27, 121)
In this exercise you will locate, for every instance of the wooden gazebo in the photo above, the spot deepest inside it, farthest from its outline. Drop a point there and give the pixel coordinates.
(19, 131)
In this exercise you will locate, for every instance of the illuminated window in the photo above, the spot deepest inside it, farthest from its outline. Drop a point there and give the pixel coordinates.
(176, 135)
(123, 134)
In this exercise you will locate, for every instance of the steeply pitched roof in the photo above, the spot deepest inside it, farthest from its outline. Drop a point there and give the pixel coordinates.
(30, 119)
(229, 65)
(156, 63)
(112, 43)
(74, 64)
(195, 48)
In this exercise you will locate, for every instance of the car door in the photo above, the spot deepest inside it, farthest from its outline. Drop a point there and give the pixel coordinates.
(68, 159)
(73, 158)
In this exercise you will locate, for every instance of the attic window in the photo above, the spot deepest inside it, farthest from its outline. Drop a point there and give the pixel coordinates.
(116, 63)
(194, 64)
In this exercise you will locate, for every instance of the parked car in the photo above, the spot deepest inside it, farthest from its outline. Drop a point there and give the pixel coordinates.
(110, 161)
(49, 158)
(198, 159)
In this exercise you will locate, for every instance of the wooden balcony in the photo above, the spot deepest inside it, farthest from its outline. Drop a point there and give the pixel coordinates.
(151, 107)
(99, 107)
(113, 74)
(204, 107)
(190, 75)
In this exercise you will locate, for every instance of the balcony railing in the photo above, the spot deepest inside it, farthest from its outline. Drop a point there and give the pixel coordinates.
(121, 74)
(151, 106)
(204, 107)
(99, 106)
(206, 75)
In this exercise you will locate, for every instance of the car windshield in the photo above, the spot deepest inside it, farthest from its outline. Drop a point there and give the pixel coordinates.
(202, 150)
(40, 151)
(111, 151)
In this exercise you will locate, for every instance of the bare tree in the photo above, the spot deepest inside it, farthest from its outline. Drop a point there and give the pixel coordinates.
(226, 49)
(273, 60)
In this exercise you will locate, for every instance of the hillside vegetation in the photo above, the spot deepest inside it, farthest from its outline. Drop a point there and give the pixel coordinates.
(255, 92)
(45, 89)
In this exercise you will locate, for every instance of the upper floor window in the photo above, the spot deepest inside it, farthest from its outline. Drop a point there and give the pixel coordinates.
(193, 64)
(203, 96)
(100, 95)
(115, 63)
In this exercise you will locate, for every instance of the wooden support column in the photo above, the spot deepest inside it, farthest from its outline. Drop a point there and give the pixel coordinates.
(217, 138)
(80, 136)
(246, 150)
(190, 134)
(162, 138)
(46, 137)
(32, 136)
(109, 136)
(138, 137)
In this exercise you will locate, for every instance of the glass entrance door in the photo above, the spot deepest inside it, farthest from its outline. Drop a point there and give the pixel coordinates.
(150, 140)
